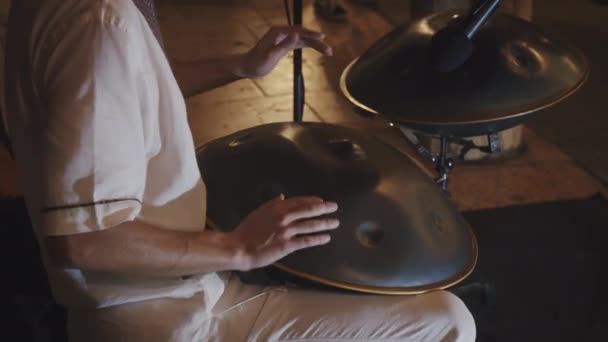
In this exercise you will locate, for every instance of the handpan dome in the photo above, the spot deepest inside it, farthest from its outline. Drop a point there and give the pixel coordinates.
(515, 69)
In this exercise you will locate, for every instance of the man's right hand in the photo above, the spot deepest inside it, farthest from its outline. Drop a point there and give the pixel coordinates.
(282, 226)
(274, 230)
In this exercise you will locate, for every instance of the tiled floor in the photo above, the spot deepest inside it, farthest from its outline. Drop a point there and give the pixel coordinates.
(204, 29)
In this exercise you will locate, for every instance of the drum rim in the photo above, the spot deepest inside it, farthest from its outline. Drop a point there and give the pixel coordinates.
(377, 289)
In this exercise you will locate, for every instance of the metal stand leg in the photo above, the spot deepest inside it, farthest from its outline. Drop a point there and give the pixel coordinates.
(444, 165)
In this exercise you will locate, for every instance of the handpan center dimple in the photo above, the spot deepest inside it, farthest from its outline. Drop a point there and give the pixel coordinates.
(369, 234)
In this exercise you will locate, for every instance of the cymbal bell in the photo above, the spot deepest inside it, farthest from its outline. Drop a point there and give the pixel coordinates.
(515, 70)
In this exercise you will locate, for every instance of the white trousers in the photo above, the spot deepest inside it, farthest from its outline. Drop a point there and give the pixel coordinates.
(253, 313)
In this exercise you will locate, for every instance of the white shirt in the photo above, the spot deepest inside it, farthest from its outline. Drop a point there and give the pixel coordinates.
(101, 137)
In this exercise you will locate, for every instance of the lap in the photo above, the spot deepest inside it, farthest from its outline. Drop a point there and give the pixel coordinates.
(256, 313)
(170, 319)
(283, 314)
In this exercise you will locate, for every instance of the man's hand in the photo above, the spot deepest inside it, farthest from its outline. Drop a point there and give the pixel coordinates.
(196, 77)
(275, 45)
(271, 232)
(281, 227)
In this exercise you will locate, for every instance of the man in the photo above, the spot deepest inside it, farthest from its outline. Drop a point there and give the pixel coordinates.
(99, 129)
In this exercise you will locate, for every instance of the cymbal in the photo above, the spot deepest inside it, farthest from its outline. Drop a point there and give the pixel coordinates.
(515, 70)
(399, 234)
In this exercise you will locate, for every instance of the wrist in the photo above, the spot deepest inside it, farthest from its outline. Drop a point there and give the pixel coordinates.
(224, 251)
(238, 257)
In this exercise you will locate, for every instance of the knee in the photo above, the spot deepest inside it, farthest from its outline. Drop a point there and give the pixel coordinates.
(458, 322)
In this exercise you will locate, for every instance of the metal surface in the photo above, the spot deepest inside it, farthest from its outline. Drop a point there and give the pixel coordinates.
(515, 70)
(398, 233)
(480, 16)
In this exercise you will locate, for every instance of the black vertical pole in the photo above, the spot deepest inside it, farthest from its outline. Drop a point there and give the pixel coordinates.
(444, 165)
(443, 151)
(298, 80)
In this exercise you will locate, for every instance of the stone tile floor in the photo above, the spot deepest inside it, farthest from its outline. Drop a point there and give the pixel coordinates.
(205, 29)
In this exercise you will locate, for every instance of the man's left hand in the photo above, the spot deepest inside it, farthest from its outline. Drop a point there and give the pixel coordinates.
(275, 45)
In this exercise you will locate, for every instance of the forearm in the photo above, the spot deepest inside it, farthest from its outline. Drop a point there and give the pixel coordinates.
(138, 248)
(199, 76)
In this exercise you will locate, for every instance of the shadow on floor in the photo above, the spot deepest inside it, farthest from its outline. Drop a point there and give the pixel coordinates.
(547, 263)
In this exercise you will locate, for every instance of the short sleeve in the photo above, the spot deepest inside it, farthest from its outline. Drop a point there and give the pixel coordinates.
(93, 156)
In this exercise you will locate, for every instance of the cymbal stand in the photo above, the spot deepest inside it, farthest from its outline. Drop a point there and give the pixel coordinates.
(444, 164)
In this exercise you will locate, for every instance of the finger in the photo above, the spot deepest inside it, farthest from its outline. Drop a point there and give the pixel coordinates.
(308, 241)
(288, 43)
(315, 45)
(306, 33)
(309, 211)
(295, 203)
(311, 226)
(277, 31)
(272, 202)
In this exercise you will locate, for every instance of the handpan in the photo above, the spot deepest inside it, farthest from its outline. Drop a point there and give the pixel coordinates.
(398, 234)
(514, 71)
